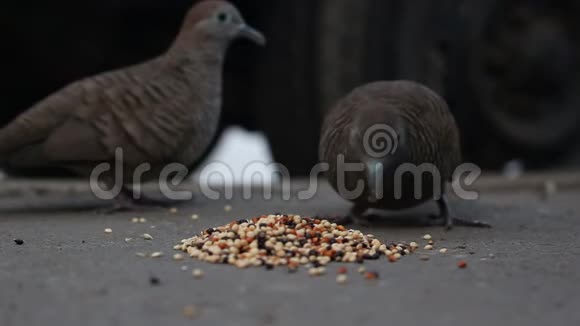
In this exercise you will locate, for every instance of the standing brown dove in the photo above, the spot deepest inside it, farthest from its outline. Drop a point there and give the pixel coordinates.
(162, 111)
(404, 144)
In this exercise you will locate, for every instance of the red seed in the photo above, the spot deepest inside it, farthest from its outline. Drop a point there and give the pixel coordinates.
(371, 275)
(461, 264)
(342, 270)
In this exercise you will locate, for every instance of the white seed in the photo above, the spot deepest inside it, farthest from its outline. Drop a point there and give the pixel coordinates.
(227, 208)
(316, 271)
(178, 257)
(413, 245)
(184, 268)
(140, 254)
(427, 237)
(362, 269)
(197, 273)
(194, 217)
(341, 278)
(443, 250)
(135, 220)
(242, 263)
(191, 312)
(108, 230)
(428, 247)
(142, 220)
(147, 236)
(156, 254)
(173, 210)
(128, 239)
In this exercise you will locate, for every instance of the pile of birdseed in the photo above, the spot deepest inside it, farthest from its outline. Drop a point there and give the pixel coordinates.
(288, 240)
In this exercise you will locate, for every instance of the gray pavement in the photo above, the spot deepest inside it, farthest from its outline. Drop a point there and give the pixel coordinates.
(524, 271)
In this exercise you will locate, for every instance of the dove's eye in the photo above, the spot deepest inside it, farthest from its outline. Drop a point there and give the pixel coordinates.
(222, 17)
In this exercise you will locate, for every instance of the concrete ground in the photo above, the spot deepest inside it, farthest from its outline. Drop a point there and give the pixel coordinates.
(524, 271)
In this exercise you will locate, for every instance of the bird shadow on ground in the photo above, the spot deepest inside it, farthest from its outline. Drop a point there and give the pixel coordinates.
(416, 220)
(48, 206)
(418, 217)
(84, 204)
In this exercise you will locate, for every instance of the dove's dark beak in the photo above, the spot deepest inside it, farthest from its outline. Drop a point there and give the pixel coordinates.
(250, 33)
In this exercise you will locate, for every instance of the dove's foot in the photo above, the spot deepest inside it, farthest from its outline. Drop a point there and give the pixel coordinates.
(444, 218)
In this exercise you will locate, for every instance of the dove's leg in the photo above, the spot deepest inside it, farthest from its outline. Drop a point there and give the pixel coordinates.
(127, 202)
(446, 218)
(122, 203)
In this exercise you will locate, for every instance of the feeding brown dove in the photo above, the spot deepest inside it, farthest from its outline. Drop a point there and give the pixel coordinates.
(406, 144)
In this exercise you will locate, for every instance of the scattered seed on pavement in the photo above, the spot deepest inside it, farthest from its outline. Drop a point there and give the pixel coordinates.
(342, 270)
(19, 242)
(317, 271)
(108, 230)
(173, 210)
(428, 247)
(147, 236)
(461, 264)
(191, 311)
(128, 239)
(341, 278)
(141, 254)
(197, 273)
(153, 280)
(156, 254)
(443, 250)
(178, 257)
(194, 217)
(227, 208)
(371, 275)
(362, 269)
(427, 237)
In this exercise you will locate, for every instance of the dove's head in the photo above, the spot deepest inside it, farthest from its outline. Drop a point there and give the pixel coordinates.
(217, 22)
